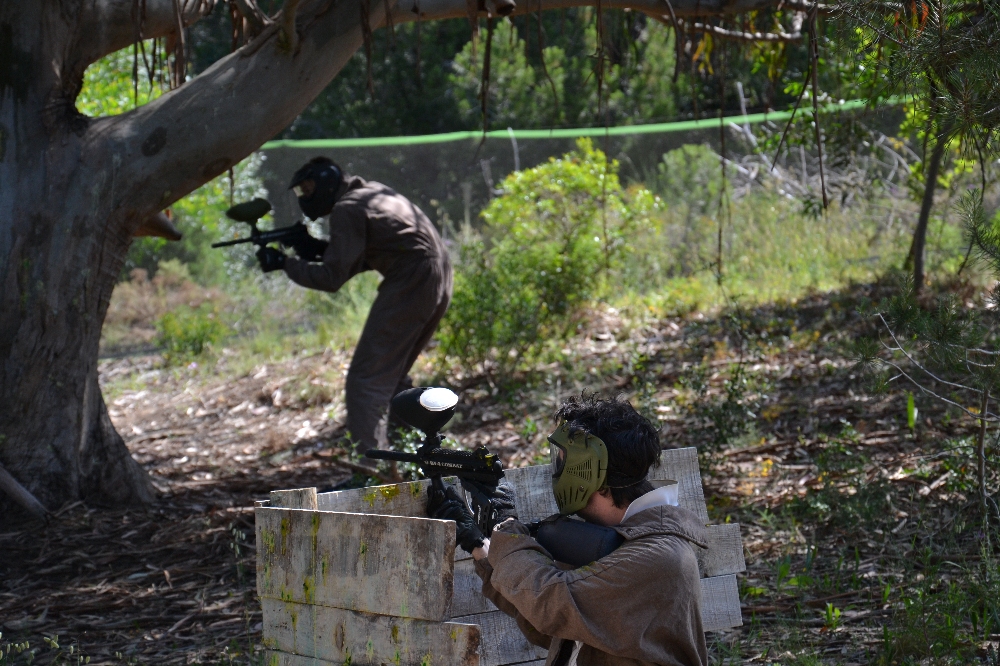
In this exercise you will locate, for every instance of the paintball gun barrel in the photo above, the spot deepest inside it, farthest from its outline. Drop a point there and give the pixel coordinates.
(295, 236)
(428, 410)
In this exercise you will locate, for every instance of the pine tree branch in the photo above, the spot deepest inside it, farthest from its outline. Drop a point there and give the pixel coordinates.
(738, 35)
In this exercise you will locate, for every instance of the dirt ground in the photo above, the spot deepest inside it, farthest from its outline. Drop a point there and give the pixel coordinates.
(174, 583)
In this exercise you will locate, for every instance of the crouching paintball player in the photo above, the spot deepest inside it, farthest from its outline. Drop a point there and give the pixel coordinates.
(639, 604)
(372, 227)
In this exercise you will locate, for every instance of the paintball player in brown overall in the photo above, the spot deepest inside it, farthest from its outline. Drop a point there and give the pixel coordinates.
(640, 605)
(372, 227)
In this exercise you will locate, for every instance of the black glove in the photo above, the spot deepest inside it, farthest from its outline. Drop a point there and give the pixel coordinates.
(270, 259)
(491, 505)
(310, 249)
(448, 505)
(305, 246)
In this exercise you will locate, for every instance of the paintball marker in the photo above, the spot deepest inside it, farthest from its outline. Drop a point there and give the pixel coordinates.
(295, 236)
(428, 410)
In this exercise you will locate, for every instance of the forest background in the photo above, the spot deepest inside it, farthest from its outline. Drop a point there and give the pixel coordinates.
(426, 79)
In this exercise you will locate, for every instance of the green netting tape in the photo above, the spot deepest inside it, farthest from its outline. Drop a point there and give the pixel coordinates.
(682, 126)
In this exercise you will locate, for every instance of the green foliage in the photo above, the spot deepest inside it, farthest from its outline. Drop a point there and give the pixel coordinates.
(846, 499)
(426, 76)
(943, 621)
(188, 332)
(691, 177)
(53, 653)
(200, 217)
(943, 57)
(727, 415)
(520, 95)
(340, 316)
(552, 240)
(108, 86)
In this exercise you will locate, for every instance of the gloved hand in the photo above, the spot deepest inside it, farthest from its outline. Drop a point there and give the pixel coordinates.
(306, 247)
(310, 249)
(450, 506)
(491, 505)
(270, 259)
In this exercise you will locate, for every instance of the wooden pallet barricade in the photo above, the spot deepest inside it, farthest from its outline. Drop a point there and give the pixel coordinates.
(363, 577)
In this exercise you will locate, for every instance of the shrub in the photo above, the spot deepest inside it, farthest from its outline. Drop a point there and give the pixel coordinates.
(187, 331)
(551, 242)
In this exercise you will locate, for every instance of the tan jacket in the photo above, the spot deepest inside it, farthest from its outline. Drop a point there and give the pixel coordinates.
(373, 227)
(640, 605)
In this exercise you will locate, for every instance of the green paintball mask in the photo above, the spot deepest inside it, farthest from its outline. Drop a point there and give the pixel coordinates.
(579, 467)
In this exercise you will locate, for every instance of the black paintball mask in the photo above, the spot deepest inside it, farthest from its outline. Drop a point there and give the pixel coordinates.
(316, 185)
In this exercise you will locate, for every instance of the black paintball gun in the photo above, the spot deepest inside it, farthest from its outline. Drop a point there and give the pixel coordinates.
(428, 410)
(294, 236)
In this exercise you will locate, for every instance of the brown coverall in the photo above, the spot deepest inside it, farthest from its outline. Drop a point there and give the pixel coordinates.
(374, 228)
(638, 606)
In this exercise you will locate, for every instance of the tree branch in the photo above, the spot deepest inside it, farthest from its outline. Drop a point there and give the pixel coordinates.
(21, 495)
(444, 9)
(109, 25)
(192, 134)
(255, 18)
(739, 35)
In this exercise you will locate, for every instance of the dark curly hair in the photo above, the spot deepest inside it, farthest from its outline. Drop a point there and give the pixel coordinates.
(632, 441)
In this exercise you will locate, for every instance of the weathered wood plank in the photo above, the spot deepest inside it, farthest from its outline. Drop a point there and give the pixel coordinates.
(398, 499)
(468, 597)
(681, 465)
(344, 636)
(724, 554)
(378, 564)
(532, 492)
(720, 603)
(501, 641)
(300, 498)
(279, 658)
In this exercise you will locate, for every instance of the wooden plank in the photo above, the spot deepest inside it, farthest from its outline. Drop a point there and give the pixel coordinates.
(720, 603)
(377, 564)
(279, 658)
(681, 465)
(349, 637)
(468, 598)
(533, 496)
(724, 554)
(300, 498)
(501, 640)
(398, 499)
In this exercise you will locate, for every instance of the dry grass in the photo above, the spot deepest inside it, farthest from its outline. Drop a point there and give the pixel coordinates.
(138, 303)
